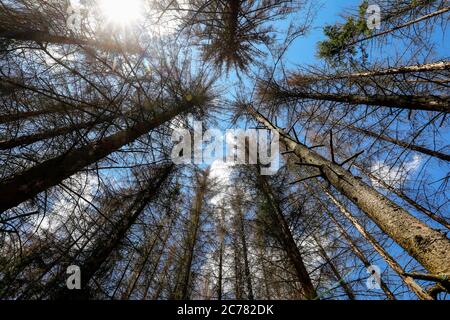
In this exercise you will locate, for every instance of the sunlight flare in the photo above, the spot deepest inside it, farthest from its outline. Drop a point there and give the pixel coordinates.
(122, 12)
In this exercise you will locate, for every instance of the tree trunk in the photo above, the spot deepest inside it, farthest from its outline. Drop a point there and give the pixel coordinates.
(404, 197)
(400, 143)
(299, 79)
(39, 178)
(240, 221)
(347, 289)
(428, 246)
(104, 249)
(288, 242)
(52, 133)
(408, 102)
(358, 252)
(183, 292)
(404, 25)
(418, 290)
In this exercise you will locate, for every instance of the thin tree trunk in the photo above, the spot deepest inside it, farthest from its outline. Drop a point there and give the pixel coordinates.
(400, 143)
(404, 25)
(143, 259)
(183, 292)
(219, 281)
(104, 249)
(348, 291)
(52, 133)
(358, 252)
(246, 263)
(45, 37)
(428, 246)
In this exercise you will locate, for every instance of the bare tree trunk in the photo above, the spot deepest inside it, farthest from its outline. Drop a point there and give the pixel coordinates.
(222, 232)
(428, 246)
(404, 197)
(404, 25)
(347, 289)
(220, 279)
(48, 134)
(237, 207)
(183, 291)
(418, 290)
(28, 184)
(408, 102)
(358, 252)
(288, 242)
(45, 37)
(400, 143)
(144, 258)
(298, 79)
(104, 249)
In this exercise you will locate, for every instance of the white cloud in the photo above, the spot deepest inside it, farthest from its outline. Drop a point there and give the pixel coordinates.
(395, 176)
(220, 173)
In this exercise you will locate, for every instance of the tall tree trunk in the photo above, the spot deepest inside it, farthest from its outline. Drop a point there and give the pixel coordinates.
(237, 207)
(428, 246)
(103, 249)
(418, 290)
(347, 289)
(39, 178)
(287, 241)
(408, 102)
(52, 133)
(183, 291)
(400, 143)
(404, 197)
(143, 259)
(222, 233)
(401, 26)
(358, 252)
(45, 37)
(299, 79)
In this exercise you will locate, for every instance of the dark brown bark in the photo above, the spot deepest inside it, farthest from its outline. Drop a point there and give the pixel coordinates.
(28, 184)
(408, 102)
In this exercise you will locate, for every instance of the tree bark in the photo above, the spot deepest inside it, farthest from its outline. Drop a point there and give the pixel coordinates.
(404, 197)
(288, 242)
(418, 290)
(104, 249)
(28, 184)
(428, 246)
(183, 292)
(298, 79)
(347, 289)
(407, 102)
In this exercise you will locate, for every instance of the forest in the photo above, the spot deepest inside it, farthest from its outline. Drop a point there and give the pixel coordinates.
(114, 117)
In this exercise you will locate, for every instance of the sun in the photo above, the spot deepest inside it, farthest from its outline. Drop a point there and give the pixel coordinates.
(122, 12)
